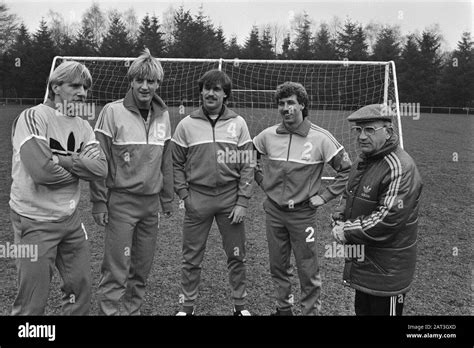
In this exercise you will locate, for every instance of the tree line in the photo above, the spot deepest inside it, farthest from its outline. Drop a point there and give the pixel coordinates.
(425, 74)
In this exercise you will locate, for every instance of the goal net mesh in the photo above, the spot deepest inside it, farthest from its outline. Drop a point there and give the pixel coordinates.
(335, 89)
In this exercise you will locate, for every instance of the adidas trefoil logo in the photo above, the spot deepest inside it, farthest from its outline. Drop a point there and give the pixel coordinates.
(366, 190)
(57, 148)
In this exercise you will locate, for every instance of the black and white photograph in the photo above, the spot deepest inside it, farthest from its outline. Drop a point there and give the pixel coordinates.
(226, 159)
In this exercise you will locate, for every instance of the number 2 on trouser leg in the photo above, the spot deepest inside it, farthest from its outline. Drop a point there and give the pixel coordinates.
(310, 236)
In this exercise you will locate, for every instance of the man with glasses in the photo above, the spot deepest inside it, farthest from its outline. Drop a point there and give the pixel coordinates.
(379, 211)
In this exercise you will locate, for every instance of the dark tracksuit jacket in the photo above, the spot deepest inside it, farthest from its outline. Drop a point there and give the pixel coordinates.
(380, 211)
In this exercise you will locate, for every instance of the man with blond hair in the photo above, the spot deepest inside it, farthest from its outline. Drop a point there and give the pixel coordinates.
(51, 152)
(134, 133)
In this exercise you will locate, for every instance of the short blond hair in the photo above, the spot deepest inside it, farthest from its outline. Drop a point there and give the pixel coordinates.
(67, 72)
(146, 67)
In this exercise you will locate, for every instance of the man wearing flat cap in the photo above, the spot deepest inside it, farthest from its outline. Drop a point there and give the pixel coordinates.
(379, 212)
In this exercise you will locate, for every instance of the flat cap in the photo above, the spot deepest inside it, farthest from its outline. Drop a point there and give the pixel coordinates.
(371, 112)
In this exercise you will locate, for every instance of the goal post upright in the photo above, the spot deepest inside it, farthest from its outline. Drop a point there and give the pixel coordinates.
(385, 87)
(53, 65)
(397, 103)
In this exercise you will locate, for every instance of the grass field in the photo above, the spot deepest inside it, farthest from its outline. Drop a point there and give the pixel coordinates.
(442, 147)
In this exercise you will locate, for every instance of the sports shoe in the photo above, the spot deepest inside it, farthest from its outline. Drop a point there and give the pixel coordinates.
(242, 313)
(184, 314)
(280, 313)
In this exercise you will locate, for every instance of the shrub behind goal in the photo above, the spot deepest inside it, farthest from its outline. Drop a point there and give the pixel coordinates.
(335, 88)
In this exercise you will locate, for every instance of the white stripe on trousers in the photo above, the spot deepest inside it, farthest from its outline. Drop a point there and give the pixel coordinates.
(393, 305)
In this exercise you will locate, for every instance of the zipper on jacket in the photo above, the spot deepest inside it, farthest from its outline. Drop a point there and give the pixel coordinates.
(284, 169)
(146, 130)
(289, 145)
(213, 125)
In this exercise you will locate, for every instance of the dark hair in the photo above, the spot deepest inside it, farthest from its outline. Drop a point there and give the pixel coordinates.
(288, 88)
(213, 78)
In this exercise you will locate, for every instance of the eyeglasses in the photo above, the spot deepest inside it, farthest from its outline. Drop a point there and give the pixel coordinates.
(369, 130)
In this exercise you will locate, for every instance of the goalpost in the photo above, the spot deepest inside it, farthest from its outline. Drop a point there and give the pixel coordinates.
(335, 88)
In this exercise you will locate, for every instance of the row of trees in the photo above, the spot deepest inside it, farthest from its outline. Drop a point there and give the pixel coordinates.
(425, 74)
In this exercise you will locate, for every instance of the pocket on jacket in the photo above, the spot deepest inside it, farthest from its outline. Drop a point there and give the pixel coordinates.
(126, 169)
(370, 262)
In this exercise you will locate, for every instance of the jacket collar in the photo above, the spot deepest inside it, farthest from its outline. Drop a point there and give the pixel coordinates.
(50, 103)
(302, 130)
(157, 104)
(224, 114)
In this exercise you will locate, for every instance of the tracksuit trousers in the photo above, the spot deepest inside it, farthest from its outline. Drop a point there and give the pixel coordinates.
(294, 230)
(198, 220)
(367, 304)
(130, 239)
(64, 244)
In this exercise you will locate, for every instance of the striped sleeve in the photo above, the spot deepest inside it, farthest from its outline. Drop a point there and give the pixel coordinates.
(104, 123)
(330, 147)
(246, 168)
(376, 227)
(179, 153)
(244, 137)
(30, 124)
(179, 136)
(259, 143)
(29, 137)
(166, 115)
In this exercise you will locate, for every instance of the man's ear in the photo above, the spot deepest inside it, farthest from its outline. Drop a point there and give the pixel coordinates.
(55, 88)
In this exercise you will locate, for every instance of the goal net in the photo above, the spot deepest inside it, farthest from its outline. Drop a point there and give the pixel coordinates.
(335, 89)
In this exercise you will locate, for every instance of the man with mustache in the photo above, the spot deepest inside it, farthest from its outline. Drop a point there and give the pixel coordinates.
(135, 133)
(52, 150)
(296, 151)
(212, 187)
(379, 210)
